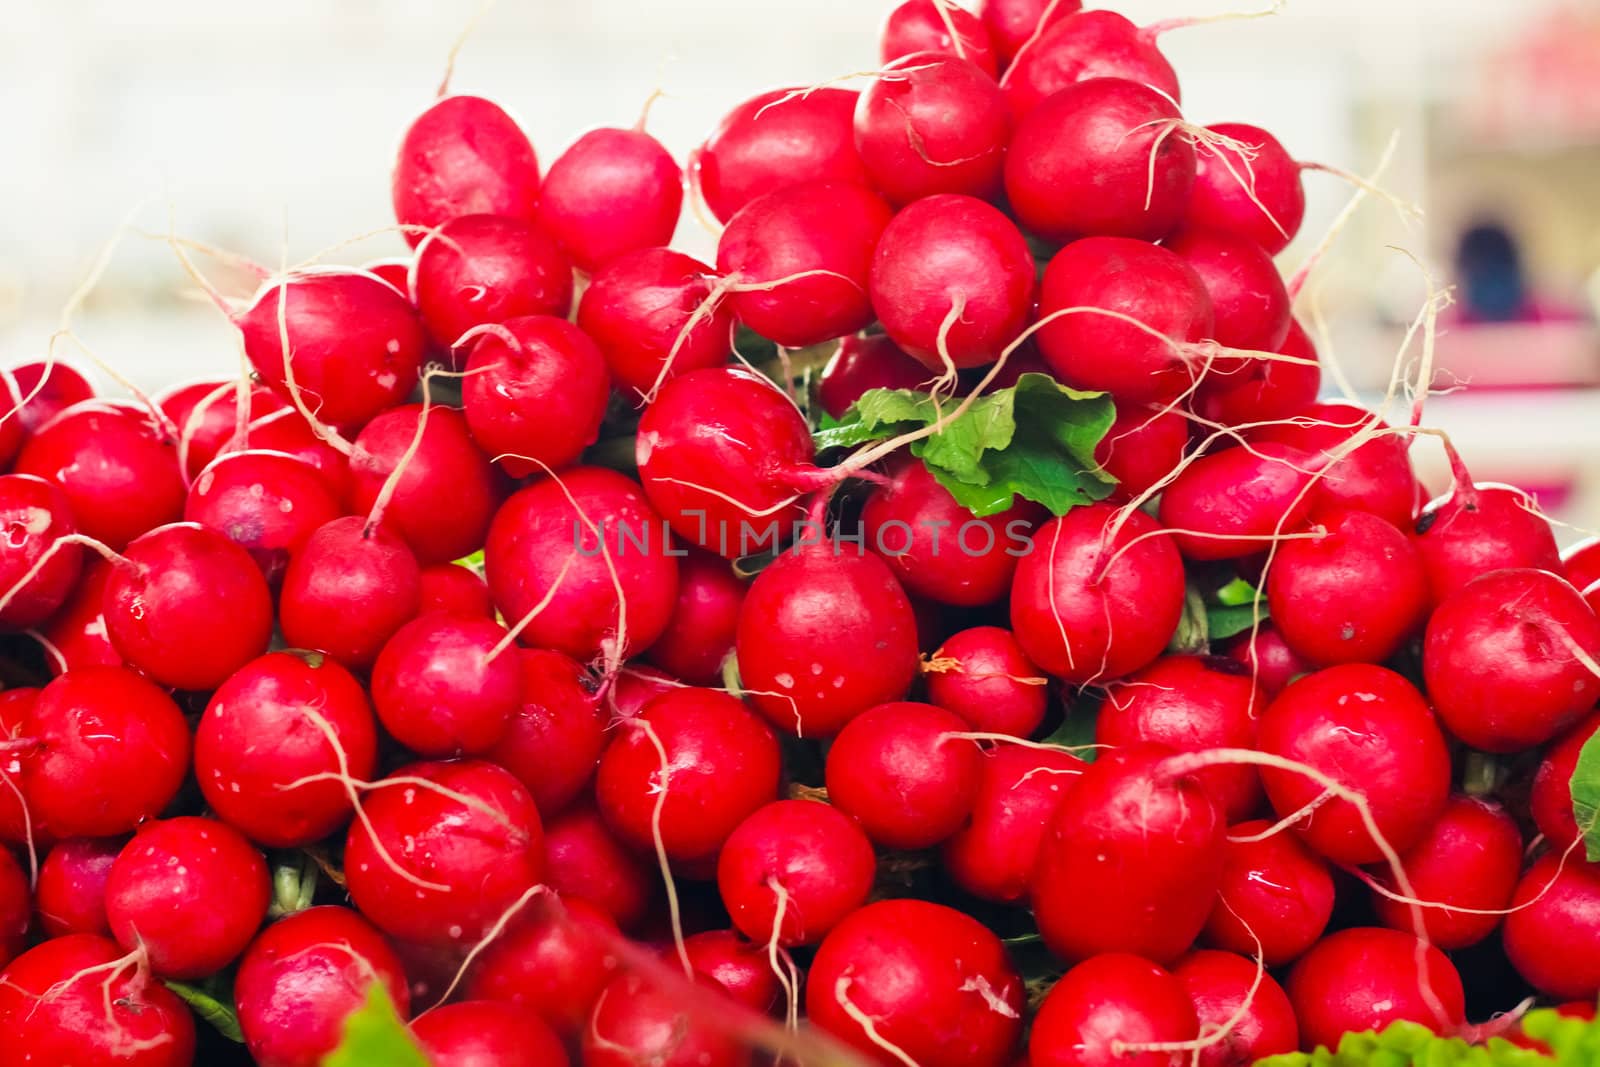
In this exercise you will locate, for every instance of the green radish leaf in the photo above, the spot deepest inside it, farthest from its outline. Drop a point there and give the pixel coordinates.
(374, 1034)
(216, 1010)
(1586, 796)
(1223, 622)
(1077, 727)
(1408, 1044)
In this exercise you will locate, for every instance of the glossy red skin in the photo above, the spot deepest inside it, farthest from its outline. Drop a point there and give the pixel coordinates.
(34, 514)
(1472, 858)
(635, 1023)
(988, 680)
(1222, 201)
(585, 861)
(463, 156)
(16, 902)
(539, 403)
(395, 270)
(556, 729)
(1497, 664)
(17, 825)
(303, 976)
(1260, 390)
(1554, 942)
(192, 608)
(862, 363)
(456, 589)
(919, 26)
(1487, 527)
(739, 966)
(1220, 983)
(206, 420)
(1370, 730)
(704, 621)
(160, 875)
(553, 961)
(268, 503)
(1019, 789)
(1270, 660)
(441, 690)
(935, 982)
(1190, 704)
(722, 761)
(1550, 802)
(818, 856)
(479, 269)
(476, 1033)
(287, 431)
(1142, 447)
(357, 344)
(819, 226)
(1276, 896)
(113, 751)
(1084, 45)
(946, 250)
(60, 1003)
(779, 138)
(118, 471)
(1375, 477)
(611, 192)
(70, 897)
(1105, 1002)
(818, 607)
(1079, 163)
(346, 591)
(64, 386)
(634, 687)
(1237, 501)
(1580, 564)
(932, 124)
(1247, 293)
(1142, 281)
(1114, 623)
(1352, 596)
(1131, 862)
(1012, 22)
(1365, 978)
(534, 535)
(639, 305)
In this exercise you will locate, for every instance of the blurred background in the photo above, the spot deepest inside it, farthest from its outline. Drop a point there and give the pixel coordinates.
(268, 129)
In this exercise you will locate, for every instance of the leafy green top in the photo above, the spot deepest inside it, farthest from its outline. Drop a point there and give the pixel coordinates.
(1586, 795)
(1405, 1044)
(375, 1036)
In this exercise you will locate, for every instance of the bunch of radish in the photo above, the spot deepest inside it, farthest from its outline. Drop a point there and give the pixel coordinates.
(552, 637)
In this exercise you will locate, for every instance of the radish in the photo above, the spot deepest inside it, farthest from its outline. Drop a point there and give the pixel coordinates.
(938, 27)
(12, 432)
(952, 281)
(704, 621)
(552, 962)
(1550, 801)
(1256, 195)
(585, 861)
(739, 966)
(160, 875)
(188, 607)
(206, 417)
(983, 675)
(1191, 703)
(473, 1033)
(1375, 476)
(612, 192)
(862, 363)
(441, 687)
(1012, 23)
(18, 826)
(1141, 448)
(1550, 935)
(1272, 663)
(1099, 595)
(920, 979)
(1276, 896)
(1482, 527)
(456, 589)
(350, 587)
(80, 1000)
(70, 897)
(287, 431)
(1236, 501)
(792, 870)
(1229, 997)
(478, 270)
(1507, 656)
(932, 123)
(463, 156)
(634, 687)
(16, 902)
(1019, 789)
(1365, 978)
(1369, 729)
(1084, 45)
(1248, 296)
(556, 731)
(1107, 1003)
(305, 974)
(1131, 862)
(75, 636)
(1100, 157)
(112, 751)
(652, 316)
(1261, 390)
(36, 515)
(396, 271)
(1580, 564)
(46, 390)
(823, 636)
(635, 1022)
(537, 364)
(268, 503)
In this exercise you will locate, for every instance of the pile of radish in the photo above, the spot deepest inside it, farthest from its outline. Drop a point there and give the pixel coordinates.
(948, 630)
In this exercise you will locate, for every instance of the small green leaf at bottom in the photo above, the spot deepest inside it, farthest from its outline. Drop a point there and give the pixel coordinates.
(375, 1036)
(212, 1009)
(1586, 796)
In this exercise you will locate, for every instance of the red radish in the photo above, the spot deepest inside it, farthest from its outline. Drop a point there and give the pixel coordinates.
(1012, 23)
(1256, 194)
(1551, 798)
(557, 543)
(823, 636)
(16, 902)
(1276, 897)
(1247, 294)
(1272, 663)
(1471, 858)
(552, 962)
(1580, 564)
(715, 764)
(118, 470)
(287, 431)
(585, 861)
(35, 515)
(780, 138)
(1099, 596)
(741, 967)
(160, 876)
(1019, 789)
(1142, 447)
(1551, 935)
(1375, 476)
(474, 1033)
(205, 416)
(1365, 978)
(1189, 704)
(612, 192)
(63, 386)
(1505, 659)
(80, 1000)
(18, 826)
(348, 589)
(301, 979)
(535, 394)
(1231, 996)
(933, 982)
(863, 363)
(1107, 1003)
(1237, 501)
(556, 730)
(1260, 390)
(797, 261)
(635, 1022)
(792, 870)
(396, 271)
(71, 895)
(932, 123)
(1131, 280)
(704, 621)
(463, 156)
(188, 607)
(952, 281)
(1352, 595)
(1369, 729)
(983, 675)
(482, 269)
(76, 634)
(442, 688)
(457, 589)
(939, 27)
(1482, 527)
(652, 316)
(1101, 157)
(1132, 860)
(636, 686)
(1082, 46)
(113, 750)
(268, 503)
